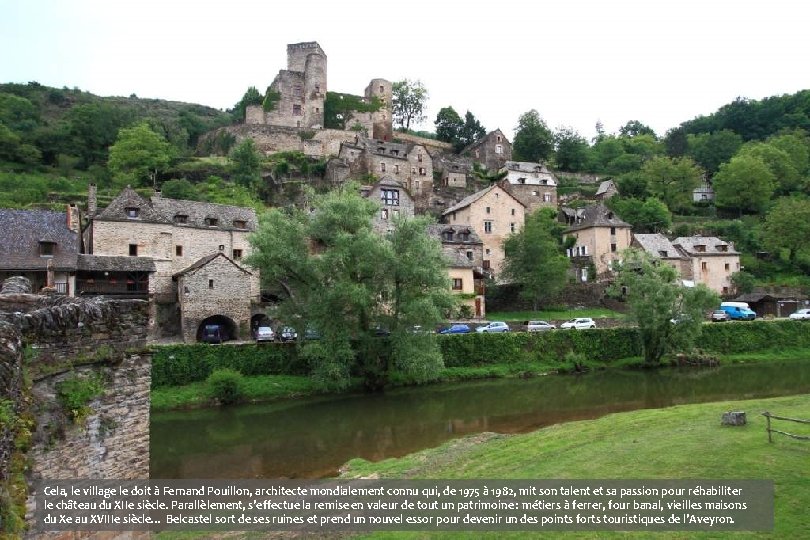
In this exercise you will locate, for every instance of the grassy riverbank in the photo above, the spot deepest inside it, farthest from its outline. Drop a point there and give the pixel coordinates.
(260, 388)
(678, 442)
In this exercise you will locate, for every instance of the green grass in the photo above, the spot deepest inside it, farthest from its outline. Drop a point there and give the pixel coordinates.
(555, 314)
(678, 442)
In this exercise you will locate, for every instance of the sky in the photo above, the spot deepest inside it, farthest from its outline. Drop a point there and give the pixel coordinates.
(576, 62)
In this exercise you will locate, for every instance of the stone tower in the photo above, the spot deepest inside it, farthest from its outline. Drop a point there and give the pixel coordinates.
(381, 89)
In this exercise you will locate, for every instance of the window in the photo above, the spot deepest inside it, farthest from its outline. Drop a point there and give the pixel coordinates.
(419, 157)
(725, 290)
(396, 212)
(180, 218)
(469, 255)
(728, 267)
(413, 170)
(478, 153)
(485, 265)
(488, 210)
(704, 265)
(488, 227)
(132, 212)
(384, 213)
(613, 248)
(546, 197)
(583, 274)
(487, 251)
(46, 249)
(535, 193)
(390, 197)
(457, 284)
(382, 167)
(700, 248)
(396, 169)
(133, 250)
(447, 236)
(222, 247)
(317, 110)
(422, 171)
(663, 253)
(298, 91)
(511, 227)
(513, 211)
(210, 283)
(317, 88)
(237, 254)
(239, 224)
(499, 138)
(211, 221)
(499, 149)
(382, 89)
(178, 251)
(297, 110)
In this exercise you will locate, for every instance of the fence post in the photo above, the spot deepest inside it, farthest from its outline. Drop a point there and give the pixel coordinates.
(767, 416)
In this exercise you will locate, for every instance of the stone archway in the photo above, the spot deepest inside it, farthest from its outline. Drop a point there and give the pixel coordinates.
(229, 329)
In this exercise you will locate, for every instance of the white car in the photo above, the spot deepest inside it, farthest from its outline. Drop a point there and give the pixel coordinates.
(495, 326)
(265, 333)
(580, 323)
(801, 315)
(538, 326)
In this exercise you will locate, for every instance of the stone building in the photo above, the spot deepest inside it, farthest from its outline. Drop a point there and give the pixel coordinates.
(532, 183)
(606, 190)
(464, 252)
(42, 246)
(713, 261)
(660, 248)
(492, 151)
(455, 170)
(703, 193)
(172, 235)
(395, 202)
(493, 214)
(600, 236)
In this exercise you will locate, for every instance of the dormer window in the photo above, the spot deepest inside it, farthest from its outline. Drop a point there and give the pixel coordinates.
(211, 221)
(447, 236)
(239, 224)
(132, 212)
(47, 249)
(722, 247)
(180, 218)
(389, 197)
(663, 253)
(700, 248)
(610, 215)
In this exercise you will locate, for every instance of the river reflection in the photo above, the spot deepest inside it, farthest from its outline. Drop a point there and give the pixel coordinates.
(312, 438)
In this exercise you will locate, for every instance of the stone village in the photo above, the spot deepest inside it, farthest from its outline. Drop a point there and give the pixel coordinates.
(185, 257)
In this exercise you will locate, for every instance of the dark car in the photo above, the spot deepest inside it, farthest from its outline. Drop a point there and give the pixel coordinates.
(214, 333)
(456, 329)
(287, 334)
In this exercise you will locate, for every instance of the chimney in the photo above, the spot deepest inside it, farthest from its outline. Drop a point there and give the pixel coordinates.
(73, 223)
(92, 201)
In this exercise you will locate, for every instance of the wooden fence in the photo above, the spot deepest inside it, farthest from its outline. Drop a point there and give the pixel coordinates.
(768, 416)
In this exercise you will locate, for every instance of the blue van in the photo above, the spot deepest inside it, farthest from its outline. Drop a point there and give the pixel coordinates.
(738, 311)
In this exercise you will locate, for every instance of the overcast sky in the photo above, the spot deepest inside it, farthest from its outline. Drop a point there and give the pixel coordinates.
(575, 61)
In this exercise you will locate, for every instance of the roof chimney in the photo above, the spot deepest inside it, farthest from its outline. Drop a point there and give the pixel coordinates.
(73, 222)
(92, 201)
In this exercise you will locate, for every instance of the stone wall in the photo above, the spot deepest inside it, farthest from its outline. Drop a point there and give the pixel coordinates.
(274, 139)
(11, 382)
(433, 146)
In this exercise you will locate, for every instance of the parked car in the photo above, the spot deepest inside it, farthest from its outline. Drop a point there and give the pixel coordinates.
(580, 323)
(312, 333)
(213, 333)
(801, 315)
(456, 329)
(493, 327)
(265, 334)
(738, 311)
(718, 315)
(538, 326)
(287, 334)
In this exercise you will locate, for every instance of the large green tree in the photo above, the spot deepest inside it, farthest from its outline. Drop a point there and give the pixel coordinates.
(534, 258)
(710, 150)
(448, 125)
(649, 216)
(409, 100)
(533, 140)
(570, 149)
(634, 128)
(471, 131)
(787, 225)
(252, 96)
(246, 164)
(744, 183)
(669, 316)
(672, 180)
(138, 155)
(336, 274)
(779, 162)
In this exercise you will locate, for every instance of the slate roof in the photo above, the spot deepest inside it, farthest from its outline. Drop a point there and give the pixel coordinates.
(438, 230)
(467, 201)
(387, 149)
(163, 210)
(458, 260)
(98, 263)
(604, 186)
(655, 244)
(23, 230)
(598, 215)
(712, 243)
(526, 166)
(205, 260)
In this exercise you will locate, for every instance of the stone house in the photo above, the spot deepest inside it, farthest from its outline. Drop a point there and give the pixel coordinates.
(214, 290)
(395, 202)
(493, 214)
(172, 235)
(492, 151)
(42, 246)
(463, 250)
(703, 193)
(532, 183)
(455, 171)
(606, 190)
(713, 261)
(600, 237)
(660, 248)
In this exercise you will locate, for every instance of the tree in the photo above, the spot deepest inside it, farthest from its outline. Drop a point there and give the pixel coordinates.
(633, 184)
(744, 183)
(672, 180)
(93, 128)
(252, 96)
(675, 142)
(533, 140)
(778, 161)
(179, 189)
(570, 149)
(448, 125)
(787, 225)
(246, 164)
(534, 259)
(709, 150)
(471, 131)
(409, 99)
(337, 275)
(138, 155)
(633, 128)
(481, 173)
(650, 216)
(669, 316)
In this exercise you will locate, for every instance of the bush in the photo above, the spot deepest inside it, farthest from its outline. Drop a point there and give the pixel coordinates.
(226, 386)
(74, 395)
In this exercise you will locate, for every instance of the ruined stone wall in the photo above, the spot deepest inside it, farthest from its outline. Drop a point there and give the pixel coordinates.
(433, 146)
(274, 139)
(11, 382)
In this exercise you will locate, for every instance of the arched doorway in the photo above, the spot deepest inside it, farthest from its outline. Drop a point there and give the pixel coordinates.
(216, 329)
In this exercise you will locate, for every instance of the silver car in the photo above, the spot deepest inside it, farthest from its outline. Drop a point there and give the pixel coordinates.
(495, 326)
(538, 326)
(580, 323)
(801, 315)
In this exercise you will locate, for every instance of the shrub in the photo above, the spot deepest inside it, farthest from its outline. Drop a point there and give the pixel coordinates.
(226, 386)
(74, 395)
